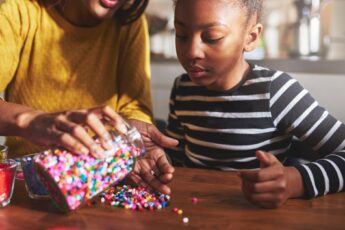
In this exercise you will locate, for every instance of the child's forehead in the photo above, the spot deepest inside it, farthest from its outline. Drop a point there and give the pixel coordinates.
(209, 6)
(206, 11)
(230, 3)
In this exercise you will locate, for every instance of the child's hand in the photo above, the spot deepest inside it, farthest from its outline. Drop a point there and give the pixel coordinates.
(272, 184)
(152, 137)
(153, 171)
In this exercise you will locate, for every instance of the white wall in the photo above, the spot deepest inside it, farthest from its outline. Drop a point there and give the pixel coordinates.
(327, 89)
(163, 76)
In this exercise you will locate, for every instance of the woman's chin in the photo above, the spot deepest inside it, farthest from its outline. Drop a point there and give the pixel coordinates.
(103, 13)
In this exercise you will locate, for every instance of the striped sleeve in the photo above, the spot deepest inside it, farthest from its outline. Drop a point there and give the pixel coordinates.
(175, 129)
(294, 111)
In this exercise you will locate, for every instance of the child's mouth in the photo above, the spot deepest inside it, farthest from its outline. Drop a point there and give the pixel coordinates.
(196, 72)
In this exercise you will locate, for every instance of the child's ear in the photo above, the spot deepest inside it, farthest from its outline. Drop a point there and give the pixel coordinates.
(253, 37)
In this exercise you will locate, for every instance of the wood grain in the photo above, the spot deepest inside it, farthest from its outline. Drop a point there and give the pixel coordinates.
(221, 206)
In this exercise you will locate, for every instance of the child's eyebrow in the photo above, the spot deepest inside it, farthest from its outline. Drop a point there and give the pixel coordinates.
(202, 26)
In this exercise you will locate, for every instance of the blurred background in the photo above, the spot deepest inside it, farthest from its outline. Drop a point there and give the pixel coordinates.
(293, 29)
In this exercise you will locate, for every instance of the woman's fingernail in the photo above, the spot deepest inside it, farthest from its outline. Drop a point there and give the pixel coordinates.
(106, 136)
(84, 151)
(109, 144)
(122, 128)
(95, 150)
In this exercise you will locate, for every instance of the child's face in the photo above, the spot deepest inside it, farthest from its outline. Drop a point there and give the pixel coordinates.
(211, 36)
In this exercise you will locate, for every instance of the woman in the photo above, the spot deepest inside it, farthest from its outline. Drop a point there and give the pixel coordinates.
(70, 68)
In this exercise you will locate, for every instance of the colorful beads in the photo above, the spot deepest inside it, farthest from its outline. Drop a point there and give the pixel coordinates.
(72, 179)
(134, 198)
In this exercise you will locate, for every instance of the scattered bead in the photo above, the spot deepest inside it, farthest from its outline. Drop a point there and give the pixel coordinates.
(195, 200)
(180, 212)
(185, 220)
(134, 198)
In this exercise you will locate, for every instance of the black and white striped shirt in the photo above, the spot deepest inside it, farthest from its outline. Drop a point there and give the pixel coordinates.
(265, 111)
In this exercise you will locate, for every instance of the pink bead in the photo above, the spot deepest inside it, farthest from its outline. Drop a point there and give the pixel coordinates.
(195, 200)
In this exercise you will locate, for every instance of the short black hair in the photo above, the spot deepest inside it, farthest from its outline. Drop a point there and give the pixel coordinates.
(131, 11)
(253, 7)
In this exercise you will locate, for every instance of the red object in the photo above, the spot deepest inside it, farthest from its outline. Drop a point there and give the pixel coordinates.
(195, 200)
(6, 179)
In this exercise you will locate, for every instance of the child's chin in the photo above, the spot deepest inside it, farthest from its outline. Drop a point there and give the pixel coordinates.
(200, 81)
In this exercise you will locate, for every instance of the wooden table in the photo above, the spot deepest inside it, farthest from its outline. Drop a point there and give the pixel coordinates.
(221, 206)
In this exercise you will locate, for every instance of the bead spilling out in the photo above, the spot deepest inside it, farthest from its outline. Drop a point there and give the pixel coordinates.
(73, 179)
(134, 198)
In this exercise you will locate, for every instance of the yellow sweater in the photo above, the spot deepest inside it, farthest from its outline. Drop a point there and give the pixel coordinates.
(49, 64)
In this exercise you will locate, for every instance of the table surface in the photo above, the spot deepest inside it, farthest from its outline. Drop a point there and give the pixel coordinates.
(221, 206)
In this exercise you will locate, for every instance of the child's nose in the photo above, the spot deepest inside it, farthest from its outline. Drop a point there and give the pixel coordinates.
(195, 50)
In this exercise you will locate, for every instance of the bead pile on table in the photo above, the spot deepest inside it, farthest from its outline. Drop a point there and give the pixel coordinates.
(134, 198)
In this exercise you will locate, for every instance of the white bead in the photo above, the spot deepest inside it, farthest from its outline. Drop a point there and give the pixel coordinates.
(185, 220)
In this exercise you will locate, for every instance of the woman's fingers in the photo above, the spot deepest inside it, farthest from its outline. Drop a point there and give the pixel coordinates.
(78, 134)
(110, 116)
(70, 129)
(96, 119)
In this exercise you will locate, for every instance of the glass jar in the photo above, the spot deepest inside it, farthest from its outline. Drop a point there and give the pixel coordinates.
(72, 179)
(33, 185)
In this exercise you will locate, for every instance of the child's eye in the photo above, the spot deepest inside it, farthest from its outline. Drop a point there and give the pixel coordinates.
(212, 40)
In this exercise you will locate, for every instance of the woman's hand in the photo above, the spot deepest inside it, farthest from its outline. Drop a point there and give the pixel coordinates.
(272, 184)
(153, 170)
(69, 129)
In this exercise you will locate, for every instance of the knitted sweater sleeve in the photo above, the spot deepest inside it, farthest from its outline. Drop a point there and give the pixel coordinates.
(295, 111)
(13, 29)
(134, 84)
